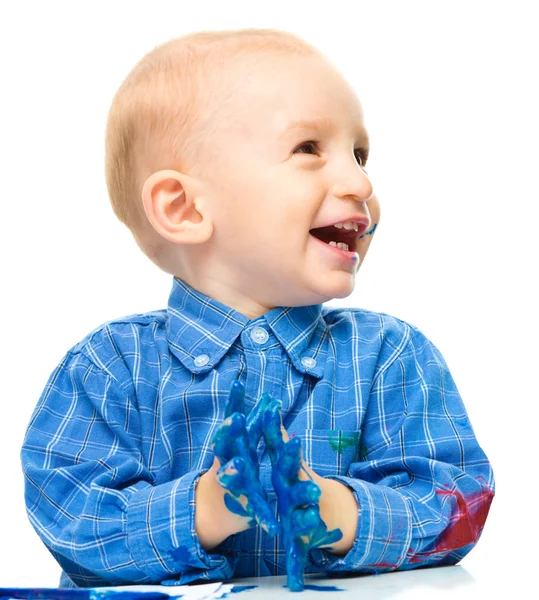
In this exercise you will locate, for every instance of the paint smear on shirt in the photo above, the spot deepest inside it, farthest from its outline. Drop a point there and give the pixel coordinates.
(340, 440)
(471, 516)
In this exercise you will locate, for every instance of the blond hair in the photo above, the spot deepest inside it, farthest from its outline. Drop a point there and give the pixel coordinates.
(166, 108)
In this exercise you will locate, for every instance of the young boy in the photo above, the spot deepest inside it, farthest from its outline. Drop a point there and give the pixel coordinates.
(237, 160)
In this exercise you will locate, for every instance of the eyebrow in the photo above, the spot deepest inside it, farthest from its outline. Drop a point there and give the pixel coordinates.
(312, 124)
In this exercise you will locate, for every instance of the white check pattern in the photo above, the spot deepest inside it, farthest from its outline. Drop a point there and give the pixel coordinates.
(121, 434)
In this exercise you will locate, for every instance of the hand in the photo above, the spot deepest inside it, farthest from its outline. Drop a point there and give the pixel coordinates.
(297, 497)
(234, 444)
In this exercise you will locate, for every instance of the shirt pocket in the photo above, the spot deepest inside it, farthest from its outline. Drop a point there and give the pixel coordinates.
(329, 451)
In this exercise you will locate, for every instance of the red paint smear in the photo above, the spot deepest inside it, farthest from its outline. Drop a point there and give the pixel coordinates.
(383, 565)
(471, 516)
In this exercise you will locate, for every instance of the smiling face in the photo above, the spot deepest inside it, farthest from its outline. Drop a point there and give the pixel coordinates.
(269, 183)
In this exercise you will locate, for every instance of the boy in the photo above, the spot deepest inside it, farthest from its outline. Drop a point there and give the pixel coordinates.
(237, 160)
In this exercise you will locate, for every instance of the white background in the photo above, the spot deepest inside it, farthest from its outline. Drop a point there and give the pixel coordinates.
(449, 91)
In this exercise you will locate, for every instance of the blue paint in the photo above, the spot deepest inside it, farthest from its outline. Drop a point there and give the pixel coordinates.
(370, 232)
(302, 528)
(321, 588)
(242, 588)
(46, 593)
(113, 595)
(234, 444)
(79, 594)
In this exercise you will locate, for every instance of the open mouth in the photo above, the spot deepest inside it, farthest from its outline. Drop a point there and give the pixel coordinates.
(339, 236)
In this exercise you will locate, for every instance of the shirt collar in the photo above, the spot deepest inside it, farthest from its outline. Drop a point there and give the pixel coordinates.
(200, 330)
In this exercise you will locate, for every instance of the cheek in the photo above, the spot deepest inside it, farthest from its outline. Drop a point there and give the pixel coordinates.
(374, 210)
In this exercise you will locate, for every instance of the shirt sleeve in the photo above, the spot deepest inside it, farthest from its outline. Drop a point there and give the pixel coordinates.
(423, 484)
(90, 496)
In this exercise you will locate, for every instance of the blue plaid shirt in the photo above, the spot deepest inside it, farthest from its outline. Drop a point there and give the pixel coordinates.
(121, 435)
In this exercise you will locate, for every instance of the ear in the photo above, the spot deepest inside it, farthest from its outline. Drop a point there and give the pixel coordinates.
(175, 207)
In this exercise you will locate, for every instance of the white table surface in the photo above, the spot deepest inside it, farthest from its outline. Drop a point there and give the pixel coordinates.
(424, 583)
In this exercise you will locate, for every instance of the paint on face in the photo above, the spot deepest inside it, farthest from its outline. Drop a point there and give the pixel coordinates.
(370, 232)
(340, 440)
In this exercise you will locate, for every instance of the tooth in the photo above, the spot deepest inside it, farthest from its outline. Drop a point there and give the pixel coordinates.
(349, 225)
(340, 245)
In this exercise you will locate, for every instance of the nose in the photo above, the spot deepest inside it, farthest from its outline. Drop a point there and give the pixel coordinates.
(351, 181)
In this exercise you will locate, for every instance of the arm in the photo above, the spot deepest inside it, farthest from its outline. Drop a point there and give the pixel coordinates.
(92, 499)
(423, 486)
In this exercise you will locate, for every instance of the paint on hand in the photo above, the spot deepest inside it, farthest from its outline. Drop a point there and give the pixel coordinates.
(302, 528)
(234, 444)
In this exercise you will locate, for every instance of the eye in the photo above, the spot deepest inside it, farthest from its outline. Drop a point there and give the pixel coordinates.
(361, 153)
(306, 145)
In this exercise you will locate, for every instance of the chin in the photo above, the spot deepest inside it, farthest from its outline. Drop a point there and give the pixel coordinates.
(336, 290)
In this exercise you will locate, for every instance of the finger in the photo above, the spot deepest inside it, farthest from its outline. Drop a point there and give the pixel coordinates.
(289, 461)
(304, 492)
(236, 399)
(271, 429)
(227, 435)
(296, 556)
(263, 513)
(305, 521)
(327, 539)
(255, 418)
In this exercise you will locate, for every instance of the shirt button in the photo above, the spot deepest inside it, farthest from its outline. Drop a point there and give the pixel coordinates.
(259, 335)
(308, 362)
(201, 360)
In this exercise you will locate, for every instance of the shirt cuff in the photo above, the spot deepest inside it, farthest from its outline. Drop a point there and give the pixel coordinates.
(384, 530)
(162, 538)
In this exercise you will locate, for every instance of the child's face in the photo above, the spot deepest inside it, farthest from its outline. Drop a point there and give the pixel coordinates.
(267, 187)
